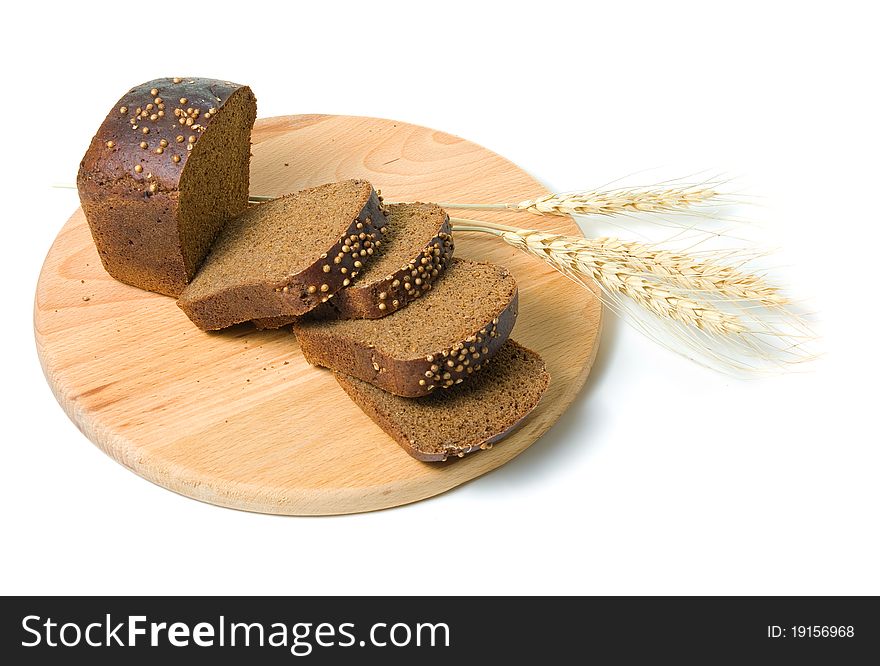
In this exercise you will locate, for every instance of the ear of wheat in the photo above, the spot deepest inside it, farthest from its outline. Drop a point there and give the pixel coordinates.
(712, 311)
(675, 197)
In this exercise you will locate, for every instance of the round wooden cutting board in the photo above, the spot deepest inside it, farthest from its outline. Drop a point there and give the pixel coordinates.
(238, 418)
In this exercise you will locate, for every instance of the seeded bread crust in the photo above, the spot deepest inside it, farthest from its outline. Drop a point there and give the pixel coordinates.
(378, 298)
(298, 293)
(396, 290)
(474, 415)
(408, 377)
(129, 178)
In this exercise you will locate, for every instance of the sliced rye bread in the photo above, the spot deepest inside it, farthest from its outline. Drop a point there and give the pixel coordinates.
(416, 246)
(468, 417)
(286, 256)
(436, 342)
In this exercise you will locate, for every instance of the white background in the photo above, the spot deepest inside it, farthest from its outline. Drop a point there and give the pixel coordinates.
(663, 477)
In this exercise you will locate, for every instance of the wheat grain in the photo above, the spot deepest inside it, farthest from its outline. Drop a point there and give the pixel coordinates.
(625, 200)
(715, 310)
(685, 271)
(608, 262)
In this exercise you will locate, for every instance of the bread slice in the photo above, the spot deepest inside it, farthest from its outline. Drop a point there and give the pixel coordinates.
(468, 417)
(416, 247)
(164, 172)
(286, 256)
(436, 342)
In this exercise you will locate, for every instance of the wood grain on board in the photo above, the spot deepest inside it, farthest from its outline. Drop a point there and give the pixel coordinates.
(238, 418)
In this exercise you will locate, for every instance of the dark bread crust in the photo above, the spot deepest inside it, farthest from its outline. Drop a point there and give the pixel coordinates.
(379, 298)
(145, 255)
(298, 293)
(442, 369)
(133, 215)
(390, 412)
(367, 301)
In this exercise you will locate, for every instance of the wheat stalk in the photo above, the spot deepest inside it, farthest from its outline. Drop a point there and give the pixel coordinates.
(672, 198)
(687, 272)
(726, 316)
(607, 202)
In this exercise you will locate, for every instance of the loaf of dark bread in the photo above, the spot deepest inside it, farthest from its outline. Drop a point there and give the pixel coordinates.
(166, 169)
(466, 418)
(436, 342)
(416, 247)
(286, 256)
